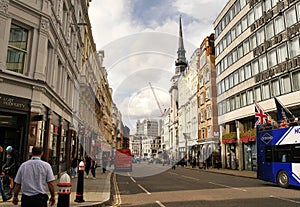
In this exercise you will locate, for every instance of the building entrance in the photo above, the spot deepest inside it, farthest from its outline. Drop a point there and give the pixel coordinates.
(13, 128)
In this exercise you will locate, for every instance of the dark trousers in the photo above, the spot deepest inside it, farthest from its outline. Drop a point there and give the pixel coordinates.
(93, 171)
(39, 200)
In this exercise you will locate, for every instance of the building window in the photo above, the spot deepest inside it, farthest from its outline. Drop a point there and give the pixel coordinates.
(242, 74)
(232, 104)
(296, 80)
(253, 43)
(258, 11)
(243, 99)
(257, 94)
(290, 17)
(265, 91)
(263, 63)
(282, 53)
(269, 30)
(250, 97)
(208, 112)
(246, 46)
(228, 105)
(231, 82)
(294, 47)
(260, 36)
(247, 71)
(240, 51)
(272, 59)
(244, 23)
(279, 24)
(275, 87)
(285, 84)
(251, 17)
(17, 49)
(236, 77)
(208, 93)
(207, 76)
(202, 98)
(237, 102)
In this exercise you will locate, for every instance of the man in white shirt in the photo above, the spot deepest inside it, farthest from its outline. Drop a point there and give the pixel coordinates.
(31, 178)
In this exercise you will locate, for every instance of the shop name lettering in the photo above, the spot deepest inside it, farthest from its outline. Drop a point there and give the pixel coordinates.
(11, 102)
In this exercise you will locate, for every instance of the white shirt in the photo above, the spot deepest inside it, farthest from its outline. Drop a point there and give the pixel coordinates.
(33, 176)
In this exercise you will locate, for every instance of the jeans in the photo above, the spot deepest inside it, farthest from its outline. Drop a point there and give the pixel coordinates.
(74, 171)
(4, 198)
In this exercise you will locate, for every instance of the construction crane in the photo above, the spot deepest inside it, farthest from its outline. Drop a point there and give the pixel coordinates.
(161, 111)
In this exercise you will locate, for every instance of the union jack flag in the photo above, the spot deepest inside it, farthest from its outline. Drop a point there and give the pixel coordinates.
(260, 116)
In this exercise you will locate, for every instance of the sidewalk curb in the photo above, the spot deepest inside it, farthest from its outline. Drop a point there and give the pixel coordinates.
(107, 199)
(219, 171)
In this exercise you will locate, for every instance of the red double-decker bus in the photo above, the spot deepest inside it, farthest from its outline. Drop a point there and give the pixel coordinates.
(123, 160)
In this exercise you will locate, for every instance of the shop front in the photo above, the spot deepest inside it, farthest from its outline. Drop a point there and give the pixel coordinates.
(14, 123)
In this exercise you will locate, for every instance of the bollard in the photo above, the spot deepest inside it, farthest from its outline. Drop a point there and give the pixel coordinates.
(64, 191)
(79, 191)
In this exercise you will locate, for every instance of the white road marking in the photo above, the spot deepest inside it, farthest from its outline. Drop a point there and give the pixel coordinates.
(133, 179)
(227, 186)
(160, 204)
(144, 189)
(190, 177)
(284, 199)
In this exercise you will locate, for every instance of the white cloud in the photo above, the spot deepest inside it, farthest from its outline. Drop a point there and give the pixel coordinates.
(138, 52)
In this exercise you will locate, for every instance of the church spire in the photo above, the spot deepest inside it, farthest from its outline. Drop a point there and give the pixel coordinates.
(181, 62)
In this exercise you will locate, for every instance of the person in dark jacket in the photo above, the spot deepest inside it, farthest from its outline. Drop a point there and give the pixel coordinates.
(4, 197)
(11, 166)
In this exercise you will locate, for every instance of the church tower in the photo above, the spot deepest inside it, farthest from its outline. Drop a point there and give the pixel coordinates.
(181, 62)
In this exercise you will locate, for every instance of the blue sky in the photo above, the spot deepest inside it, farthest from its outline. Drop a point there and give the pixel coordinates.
(140, 39)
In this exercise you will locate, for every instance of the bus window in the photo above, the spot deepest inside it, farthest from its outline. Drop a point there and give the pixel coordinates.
(268, 154)
(296, 154)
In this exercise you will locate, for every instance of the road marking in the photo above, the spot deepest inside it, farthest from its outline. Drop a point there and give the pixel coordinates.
(227, 186)
(284, 199)
(190, 177)
(133, 179)
(160, 204)
(118, 200)
(144, 189)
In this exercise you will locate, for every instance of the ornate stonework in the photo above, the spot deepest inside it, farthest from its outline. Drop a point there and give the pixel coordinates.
(4, 6)
(44, 25)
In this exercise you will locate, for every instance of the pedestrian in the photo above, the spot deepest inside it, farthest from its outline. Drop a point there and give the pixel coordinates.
(11, 166)
(88, 163)
(104, 163)
(93, 168)
(74, 165)
(32, 177)
(4, 197)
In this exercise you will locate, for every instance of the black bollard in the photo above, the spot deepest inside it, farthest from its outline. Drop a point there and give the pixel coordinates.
(79, 191)
(64, 191)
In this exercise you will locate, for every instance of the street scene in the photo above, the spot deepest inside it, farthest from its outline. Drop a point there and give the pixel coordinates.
(149, 103)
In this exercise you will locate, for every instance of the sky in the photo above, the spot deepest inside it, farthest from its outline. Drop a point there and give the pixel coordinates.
(140, 42)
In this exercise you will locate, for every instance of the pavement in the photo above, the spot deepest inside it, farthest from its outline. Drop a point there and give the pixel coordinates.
(97, 192)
